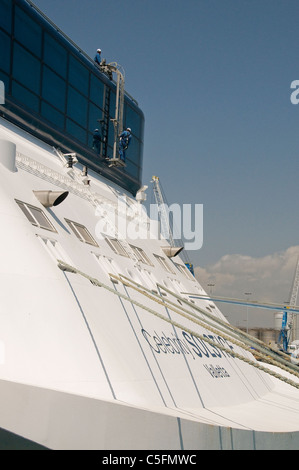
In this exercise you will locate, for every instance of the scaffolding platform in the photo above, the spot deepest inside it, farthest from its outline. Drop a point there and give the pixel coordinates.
(116, 162)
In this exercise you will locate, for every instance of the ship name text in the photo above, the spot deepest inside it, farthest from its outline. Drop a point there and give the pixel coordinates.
(216, 372)
(189, 345)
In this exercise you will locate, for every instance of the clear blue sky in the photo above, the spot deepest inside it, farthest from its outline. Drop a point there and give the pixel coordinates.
(213, 80)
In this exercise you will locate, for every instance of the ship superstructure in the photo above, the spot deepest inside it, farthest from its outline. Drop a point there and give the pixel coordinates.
(103, 343)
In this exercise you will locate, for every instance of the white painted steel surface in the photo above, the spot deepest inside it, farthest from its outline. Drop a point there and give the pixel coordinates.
(84, 368)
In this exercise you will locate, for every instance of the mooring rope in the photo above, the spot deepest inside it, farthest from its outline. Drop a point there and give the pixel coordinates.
(66, 267)
(247, 339)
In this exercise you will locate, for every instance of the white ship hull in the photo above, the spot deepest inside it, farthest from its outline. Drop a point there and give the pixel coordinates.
(89, 367)
(60, 421)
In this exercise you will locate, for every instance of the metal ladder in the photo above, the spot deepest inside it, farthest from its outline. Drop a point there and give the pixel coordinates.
(105, 122)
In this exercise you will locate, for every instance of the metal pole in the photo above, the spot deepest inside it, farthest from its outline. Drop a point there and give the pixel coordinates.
(115, 120)
(248, 294)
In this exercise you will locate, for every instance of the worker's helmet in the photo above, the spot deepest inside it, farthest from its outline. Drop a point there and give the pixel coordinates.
(128, 129)
(99, 50)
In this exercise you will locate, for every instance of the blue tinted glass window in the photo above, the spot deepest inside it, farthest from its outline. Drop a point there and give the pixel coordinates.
(53, 115)
(5, 14)
(133, 120)
(96, 90)
(77, 107)
(25, 96)
(28, 32)
(112, 104)
(55, 55)
(54, 89)
(133, 151)
(132, 169)
(111, 134)
(78, 76)
(26, 68)
(95, 114)
(110, 151)
(5, 79)
(90, 140)
(76, 131)
(4, 52)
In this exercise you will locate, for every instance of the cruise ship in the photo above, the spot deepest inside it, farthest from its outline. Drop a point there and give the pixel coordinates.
(107, 340)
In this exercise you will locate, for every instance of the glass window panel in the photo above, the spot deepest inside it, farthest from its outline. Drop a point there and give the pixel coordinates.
(96, 90)
(40, 217)
(55, 55)
(111, 134)
(164, 264)
(28, 32)
(117, 247)
(36, 216)
(185, 271)
(90, 140)
(132, 169)
(85, 235)
(76, 130)
(82, 233)
(54, 89)
(110, 151)
(26, 212)
(26, 69)
(5, 14)
(25, 96)
(112, 104)
(77, 107)
(52, 115)
(4, 52)
(95, 114)
(133, 152)
(78, 75)
(5, 79)
(141, 255)
(133, 120)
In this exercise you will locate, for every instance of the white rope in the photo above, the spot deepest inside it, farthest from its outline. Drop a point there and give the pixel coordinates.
(260, 347)
(66, 267)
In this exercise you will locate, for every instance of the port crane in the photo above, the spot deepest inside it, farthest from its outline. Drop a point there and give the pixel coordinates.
(288, 327)
(290, 310)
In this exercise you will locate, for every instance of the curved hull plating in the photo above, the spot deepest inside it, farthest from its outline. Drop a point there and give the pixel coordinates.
(101, 349)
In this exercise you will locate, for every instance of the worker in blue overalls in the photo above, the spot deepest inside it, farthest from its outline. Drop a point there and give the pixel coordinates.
(97, 139)
(98, 58)
(124, 142)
